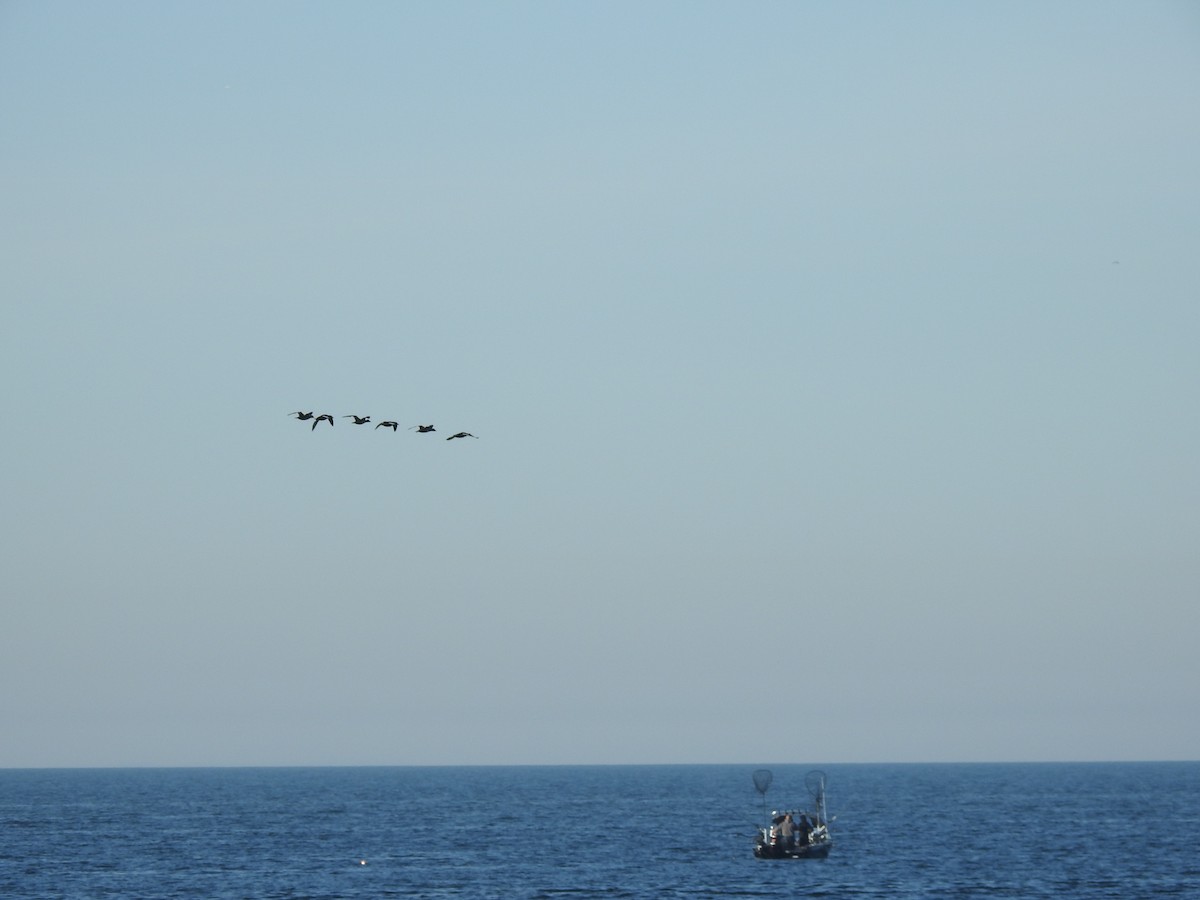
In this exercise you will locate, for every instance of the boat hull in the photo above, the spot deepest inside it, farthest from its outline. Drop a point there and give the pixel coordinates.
(767, 850)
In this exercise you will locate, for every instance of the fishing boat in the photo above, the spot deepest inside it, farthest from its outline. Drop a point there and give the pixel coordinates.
(794, 833)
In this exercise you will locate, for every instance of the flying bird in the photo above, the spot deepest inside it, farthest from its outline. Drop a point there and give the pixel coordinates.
(324, 417)
(421, 429)
(391, 425)
(461, 434)
(359, 420)
(301, 416)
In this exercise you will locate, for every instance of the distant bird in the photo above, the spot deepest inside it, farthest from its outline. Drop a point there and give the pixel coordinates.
(461, 434)
(421, 429)
(359, 420)
(301, 416)
(391, 425)
(324, 417)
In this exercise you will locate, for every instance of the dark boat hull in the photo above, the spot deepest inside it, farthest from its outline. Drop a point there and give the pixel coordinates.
(766, 850)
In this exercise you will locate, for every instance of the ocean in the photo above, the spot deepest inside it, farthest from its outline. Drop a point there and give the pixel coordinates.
(1062, 830)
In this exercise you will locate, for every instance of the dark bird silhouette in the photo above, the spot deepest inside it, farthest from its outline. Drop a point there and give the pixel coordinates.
(421, 429)
(359, 420)
(301, 416)
(324, 417)
(461, 434)
(391, 425)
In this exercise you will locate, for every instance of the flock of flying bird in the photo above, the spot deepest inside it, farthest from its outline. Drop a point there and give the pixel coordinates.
(365, 420)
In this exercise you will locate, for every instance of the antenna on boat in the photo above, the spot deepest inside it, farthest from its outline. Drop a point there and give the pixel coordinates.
(762, 781)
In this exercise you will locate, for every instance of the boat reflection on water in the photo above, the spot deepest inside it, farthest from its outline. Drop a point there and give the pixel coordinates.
(794, 833)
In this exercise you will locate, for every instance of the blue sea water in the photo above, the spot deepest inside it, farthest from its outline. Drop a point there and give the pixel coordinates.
(1105, 830)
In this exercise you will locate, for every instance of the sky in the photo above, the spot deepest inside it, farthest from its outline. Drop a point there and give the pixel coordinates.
(833, 370)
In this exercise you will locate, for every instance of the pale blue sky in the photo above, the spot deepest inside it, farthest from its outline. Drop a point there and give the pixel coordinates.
(834, 367)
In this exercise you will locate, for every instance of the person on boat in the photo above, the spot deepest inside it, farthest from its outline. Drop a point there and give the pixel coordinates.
(805, 829)
(787, 831)
(776, 829)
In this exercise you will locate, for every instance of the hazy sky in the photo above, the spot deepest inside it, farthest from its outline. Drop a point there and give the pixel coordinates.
(834, 367)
